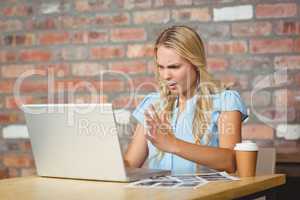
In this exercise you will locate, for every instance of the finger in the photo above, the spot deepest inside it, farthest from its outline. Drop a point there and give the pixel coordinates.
(148, 116)
(155, 115)
(165, 122)
(151, 126)
(164, 117)
(151, 121)
(151, 137)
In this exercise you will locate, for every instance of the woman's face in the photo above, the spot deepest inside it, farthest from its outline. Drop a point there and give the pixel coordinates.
(180, 75)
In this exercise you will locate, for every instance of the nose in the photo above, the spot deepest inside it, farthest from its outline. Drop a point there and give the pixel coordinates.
(166, 74)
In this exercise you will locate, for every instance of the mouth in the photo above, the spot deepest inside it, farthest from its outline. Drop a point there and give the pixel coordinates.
(171, 84)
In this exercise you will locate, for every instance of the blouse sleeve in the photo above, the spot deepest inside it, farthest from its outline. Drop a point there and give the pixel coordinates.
(138, 113)
(229, 100)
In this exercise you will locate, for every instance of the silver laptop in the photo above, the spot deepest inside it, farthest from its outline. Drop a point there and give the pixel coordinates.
(79, 141)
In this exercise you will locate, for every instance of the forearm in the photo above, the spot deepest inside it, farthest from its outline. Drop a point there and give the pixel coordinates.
(137, 150)
(212, 157)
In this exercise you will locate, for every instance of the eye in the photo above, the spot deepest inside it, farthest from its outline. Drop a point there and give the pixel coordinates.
(174, 66)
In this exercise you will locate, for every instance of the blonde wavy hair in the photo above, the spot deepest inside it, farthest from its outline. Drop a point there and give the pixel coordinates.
(188, 44)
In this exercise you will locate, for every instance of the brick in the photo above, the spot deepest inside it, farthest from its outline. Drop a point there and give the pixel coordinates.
(74, 22)
(86, 37)
(233, 13)
(8, 1)
(18, 160)
(110, 85)
(18, 10)
(257, 131)
(157, 17)
(129, 4)
(28, 172)
(227, 47)
(3, 172)
(33, 86)
(283, 78)
(263, 81)
(73, 53)
(271, 46)
(19, 39)
(127, 34)
(6, 86)
(205, 2)
(288, 131)
(287, 28)
(166, 3)
(125, 102)
(13, 172)
(110, 20)
(217, 64)
(107, 52)
(276, 10)
(54, 38)
(120, 19)
(151, 67)
(214, 30)
(12, 102)
(257, 99)
(283, 144)
(191, 14)
(8, 56)
(14, 71)
(138, 50)
(234, 81)
(273, 79)
(145, 84)
(87, 69)
(87, 86)
(129, 67)
(7, 118)
(35, 55)
(284, 115)
(49, 8)
(284, 98)
(58, 69)
(251, 29)
(1, 104)
(297, 79)
(227, 79)
(297, 45)
(287, 62)
(10, 25)
(43, 23)
(91, 5)
(15, 131)
(84, 98)
(250, 63)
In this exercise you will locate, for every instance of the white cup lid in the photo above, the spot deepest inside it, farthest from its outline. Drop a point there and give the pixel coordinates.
(246, 145)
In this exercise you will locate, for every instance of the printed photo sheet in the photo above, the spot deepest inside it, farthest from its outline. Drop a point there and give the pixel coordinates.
(183, 181)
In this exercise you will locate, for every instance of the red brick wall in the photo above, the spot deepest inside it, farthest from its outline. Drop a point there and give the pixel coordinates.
(72, 41)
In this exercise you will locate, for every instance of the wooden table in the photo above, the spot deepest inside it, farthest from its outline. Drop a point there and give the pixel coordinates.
(40, 188)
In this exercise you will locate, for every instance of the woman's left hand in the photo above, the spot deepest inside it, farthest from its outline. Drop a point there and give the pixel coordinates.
(160, 131)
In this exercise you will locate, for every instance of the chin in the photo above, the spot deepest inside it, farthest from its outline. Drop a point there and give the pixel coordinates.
(174, 92)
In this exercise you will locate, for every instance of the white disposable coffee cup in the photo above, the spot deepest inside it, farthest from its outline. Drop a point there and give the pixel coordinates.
(246, 158)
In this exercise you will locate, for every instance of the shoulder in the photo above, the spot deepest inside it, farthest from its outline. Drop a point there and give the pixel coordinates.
(226, 94)
(229, 100)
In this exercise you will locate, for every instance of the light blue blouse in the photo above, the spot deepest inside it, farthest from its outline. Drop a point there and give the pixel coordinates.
(228, 100)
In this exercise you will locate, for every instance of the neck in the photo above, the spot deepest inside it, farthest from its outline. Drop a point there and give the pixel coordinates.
(186, 96)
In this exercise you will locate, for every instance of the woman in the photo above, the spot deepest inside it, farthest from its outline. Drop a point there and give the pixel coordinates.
(193, 119)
